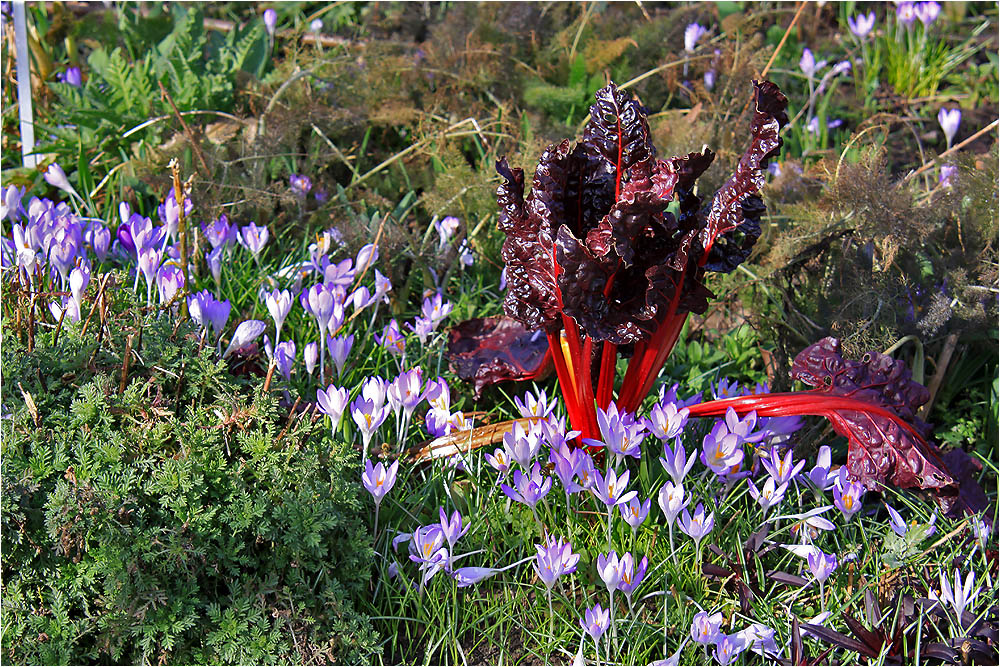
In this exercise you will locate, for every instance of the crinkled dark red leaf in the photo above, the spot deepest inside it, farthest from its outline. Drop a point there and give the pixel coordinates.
(733, 222)
(880, 449)
(527, 251)
(488, 350)
(618, 132)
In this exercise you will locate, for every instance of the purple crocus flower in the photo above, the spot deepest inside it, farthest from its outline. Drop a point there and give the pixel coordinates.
(10, 207)
(947, 175)
(727, 649)
(705, 629)
(671, 500)
(610, 570)
(254, 238)
(808, 64)
(284, 358)
(675, 463)
(610, 490)
(56, 177)
(436, 309)
(367, 255)
(820, 476)
(247, 332)
(340, 348)
(905, 13)
(566, 464)
(79, 278)
(949, 119)
(499, 460)
(847, 496)
(332, 402)
(861, 25)
(698, 526)
(554, 559)
(392, 338)
(310, 353)
(596, 621)
(769, 495)
(927, 12)
(219, 232)
(635, 512)
(709, 79)
(209, 312)
(169, 280)
(279, 304)
(316, 26)
(692, 34)
(406, 392)
(368, 416)
(451, 527)
(72, 76)
(821, 565)
(632, 574)
(446, 228)
(960, 596)
(378, 479)
(535, 406)
(523, 444)
(270, 20)
(896, 521)
(300, 184)
(781, 467)
(99, 238)
(214, 261)
(169, 213)
(722, 449)
(528, 488)
(427, 550)
(666, 421)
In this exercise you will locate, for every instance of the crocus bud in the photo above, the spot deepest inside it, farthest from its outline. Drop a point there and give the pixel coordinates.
(246, 332)
(270, 20)
(311, 354)
(56, 177)
(169, 279)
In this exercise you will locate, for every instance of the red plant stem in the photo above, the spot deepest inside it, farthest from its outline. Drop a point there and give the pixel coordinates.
(798, 403)
(585, 389)
(606, 379)
(646, 364)
(565, 380)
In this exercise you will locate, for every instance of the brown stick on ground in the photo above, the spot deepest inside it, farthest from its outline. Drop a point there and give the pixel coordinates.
(181, 231)
(187, 131)
(940, 369)
(125, 363)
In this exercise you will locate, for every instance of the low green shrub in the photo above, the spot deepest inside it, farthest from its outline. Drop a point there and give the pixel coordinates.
(184, 520)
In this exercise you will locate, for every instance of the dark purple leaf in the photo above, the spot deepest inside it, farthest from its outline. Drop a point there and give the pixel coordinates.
(733, 224)
(786, 578)
(880, 448)
(838, 639)
(485, 351)
(618, 132)
(527, 251)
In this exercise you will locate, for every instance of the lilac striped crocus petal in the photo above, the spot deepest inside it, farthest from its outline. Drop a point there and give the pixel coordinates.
(246, 332)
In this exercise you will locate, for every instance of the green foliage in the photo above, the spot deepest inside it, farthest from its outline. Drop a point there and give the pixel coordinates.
(180, 523)
(198, 70)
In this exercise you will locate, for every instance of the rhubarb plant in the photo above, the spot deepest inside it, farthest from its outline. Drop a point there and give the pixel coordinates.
(595, 259)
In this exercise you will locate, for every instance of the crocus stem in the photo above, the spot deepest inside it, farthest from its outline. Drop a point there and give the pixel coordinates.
(552, 620)
(614, 631)
(670, 531)
(375, 528)
(822, 598)
(610, 515)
